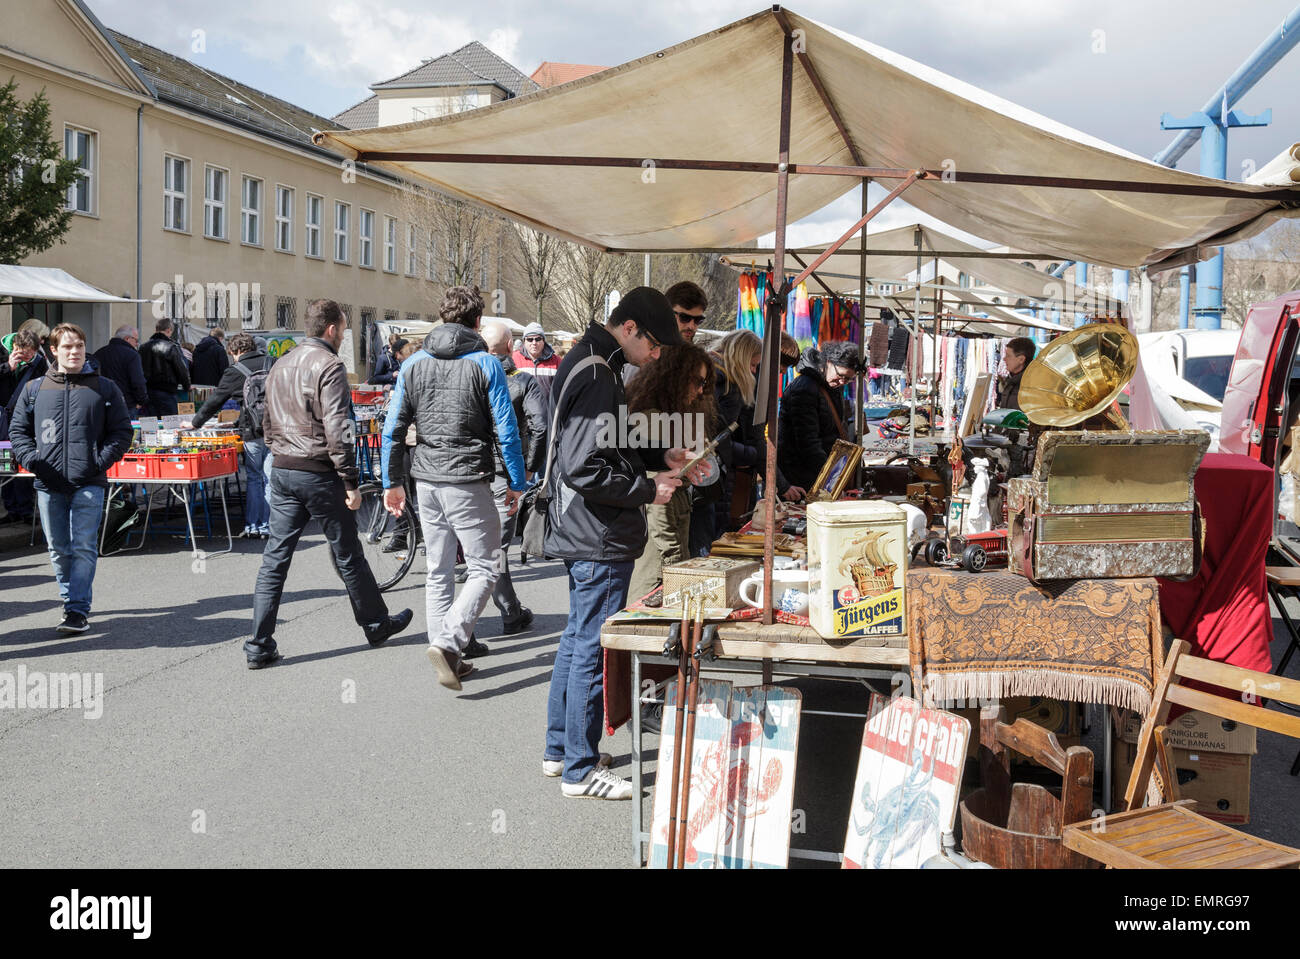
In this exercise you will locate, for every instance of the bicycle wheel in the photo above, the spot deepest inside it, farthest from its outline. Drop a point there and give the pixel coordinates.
(389, 543)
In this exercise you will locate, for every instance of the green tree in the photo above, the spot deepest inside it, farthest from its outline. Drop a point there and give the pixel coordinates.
(34, 178)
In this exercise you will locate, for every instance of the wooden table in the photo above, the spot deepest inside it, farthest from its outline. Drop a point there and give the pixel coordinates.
(748, 646)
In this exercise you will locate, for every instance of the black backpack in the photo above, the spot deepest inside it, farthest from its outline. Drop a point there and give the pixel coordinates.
(254, 397)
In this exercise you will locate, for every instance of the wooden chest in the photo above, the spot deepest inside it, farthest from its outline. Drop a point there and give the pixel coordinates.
(723, 575)
(1104, 505)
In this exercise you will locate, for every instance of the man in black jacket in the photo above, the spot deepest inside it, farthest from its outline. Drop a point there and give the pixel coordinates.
(533, 419)
(119, 360)
(69, 427)
(813, 412)
(25, 363)
(164, 369)
(210, 359)
(249, 360)
(598, 488)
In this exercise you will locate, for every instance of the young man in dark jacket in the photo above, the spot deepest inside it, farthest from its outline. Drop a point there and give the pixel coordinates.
(69, 427)
(210, 359)
(813, 414)
(119, 360)
(309, 427)
(598, 487)
(456, 396)
(248, 360)
(532, 414)
(164, 369)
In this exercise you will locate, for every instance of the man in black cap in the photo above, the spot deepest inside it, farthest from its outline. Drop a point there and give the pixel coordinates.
(598, 486)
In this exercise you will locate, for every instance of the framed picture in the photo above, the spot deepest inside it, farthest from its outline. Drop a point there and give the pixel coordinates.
(836, 471)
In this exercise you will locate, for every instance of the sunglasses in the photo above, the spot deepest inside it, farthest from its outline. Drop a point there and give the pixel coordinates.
(654, 344)
(688, 318)
(534, 339)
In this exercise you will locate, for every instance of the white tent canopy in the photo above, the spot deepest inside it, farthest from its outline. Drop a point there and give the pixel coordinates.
(47, 283)
(717, 98)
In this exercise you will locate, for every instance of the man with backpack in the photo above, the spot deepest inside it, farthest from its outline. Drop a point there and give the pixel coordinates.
(245, 381)
(69, 427)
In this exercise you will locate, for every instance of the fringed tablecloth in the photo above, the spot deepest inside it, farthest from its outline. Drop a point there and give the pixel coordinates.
(994, 634)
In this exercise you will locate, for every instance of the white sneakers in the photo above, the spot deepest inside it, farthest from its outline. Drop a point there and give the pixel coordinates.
(599, 784)
(555, 767)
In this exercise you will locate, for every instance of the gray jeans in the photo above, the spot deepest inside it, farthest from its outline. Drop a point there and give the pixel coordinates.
(503, 594)
(450, 512)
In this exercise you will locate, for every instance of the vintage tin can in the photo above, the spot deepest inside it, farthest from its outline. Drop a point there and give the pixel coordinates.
(857, 561)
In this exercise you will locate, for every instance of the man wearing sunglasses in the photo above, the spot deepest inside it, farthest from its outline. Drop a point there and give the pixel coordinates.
(598, 485)
(537, 357)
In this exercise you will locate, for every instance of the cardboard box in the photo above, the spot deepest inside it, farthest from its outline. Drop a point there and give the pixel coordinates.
(1219, 782)
(1193, 730)
(228, 416)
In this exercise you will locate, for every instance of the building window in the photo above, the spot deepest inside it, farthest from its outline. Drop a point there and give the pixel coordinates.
(390, 244)
(286, 312)
(433, 256)
(176, 178)
(390, 316)
(315, 211)
(483, 269)
(250, 213)
(366, 235)
(412, 248)
(341, 244)
(214, 203)
(451, 261)
(79, 145)
(284, 219)
(217, 309)
(412, 317)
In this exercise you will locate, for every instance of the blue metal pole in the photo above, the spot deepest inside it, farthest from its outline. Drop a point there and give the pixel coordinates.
(1184, 296)
(1081, 280)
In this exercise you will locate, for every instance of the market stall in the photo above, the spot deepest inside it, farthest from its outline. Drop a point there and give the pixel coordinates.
(807, 137)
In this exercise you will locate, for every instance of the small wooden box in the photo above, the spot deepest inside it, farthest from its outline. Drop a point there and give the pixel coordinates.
(726, 574)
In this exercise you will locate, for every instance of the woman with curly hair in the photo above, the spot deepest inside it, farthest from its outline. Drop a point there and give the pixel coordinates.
(671, 399)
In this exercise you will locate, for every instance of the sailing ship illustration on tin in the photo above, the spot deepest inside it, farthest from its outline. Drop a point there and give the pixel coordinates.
(867, 561)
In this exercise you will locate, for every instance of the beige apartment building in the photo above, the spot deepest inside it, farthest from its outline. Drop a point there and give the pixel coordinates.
(206, 198)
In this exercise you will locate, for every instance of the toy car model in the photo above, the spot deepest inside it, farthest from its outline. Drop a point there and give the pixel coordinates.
(972, 552)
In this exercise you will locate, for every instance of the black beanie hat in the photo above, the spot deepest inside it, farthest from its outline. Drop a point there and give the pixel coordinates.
(650, 310)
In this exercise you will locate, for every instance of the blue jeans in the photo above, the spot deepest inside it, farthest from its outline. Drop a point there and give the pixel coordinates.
(257, 512)
(575, 713)
(71, 522)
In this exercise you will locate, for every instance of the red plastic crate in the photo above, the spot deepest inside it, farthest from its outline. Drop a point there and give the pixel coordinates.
(179, 466)
(218, 462)
(135, 466)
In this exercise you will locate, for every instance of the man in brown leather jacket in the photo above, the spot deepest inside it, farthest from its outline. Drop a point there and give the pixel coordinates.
(310, 431)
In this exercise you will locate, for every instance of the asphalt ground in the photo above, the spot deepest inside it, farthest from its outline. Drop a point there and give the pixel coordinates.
(343, 755)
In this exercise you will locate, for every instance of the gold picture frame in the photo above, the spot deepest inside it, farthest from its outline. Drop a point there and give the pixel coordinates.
(837, 471)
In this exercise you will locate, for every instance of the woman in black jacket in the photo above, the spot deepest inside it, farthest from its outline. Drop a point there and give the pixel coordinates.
(813, 412)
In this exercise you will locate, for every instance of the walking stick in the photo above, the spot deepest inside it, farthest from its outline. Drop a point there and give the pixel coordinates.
(683, 636)
(693, 681)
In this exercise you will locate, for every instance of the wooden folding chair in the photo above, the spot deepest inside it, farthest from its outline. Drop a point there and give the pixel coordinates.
(1173, 835)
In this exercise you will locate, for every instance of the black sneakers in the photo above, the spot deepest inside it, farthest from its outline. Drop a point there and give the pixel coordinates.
(474, 649)
(266, 661)
(511, 626)
(73, 623)
(389, 628)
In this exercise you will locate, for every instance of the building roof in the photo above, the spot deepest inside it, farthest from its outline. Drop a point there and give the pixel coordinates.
(471, 64)
(188, 85)
(360, 116)
(551, 74)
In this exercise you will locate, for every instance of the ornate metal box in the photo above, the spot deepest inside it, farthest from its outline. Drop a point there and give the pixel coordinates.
(1103, 505)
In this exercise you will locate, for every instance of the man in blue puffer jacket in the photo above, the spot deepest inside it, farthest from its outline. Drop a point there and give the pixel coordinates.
(69, 427)
(455, 393)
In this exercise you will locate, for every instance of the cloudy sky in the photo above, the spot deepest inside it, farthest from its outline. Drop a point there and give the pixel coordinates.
(1107, 67)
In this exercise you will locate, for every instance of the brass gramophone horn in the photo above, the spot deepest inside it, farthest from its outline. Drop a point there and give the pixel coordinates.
(1079, 375)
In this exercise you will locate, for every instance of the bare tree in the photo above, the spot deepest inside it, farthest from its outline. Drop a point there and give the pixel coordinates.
(459, 237)
(540, 256)
(586, 277)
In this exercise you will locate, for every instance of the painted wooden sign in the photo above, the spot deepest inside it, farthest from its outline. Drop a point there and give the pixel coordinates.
(742, 778)
(905, 794)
